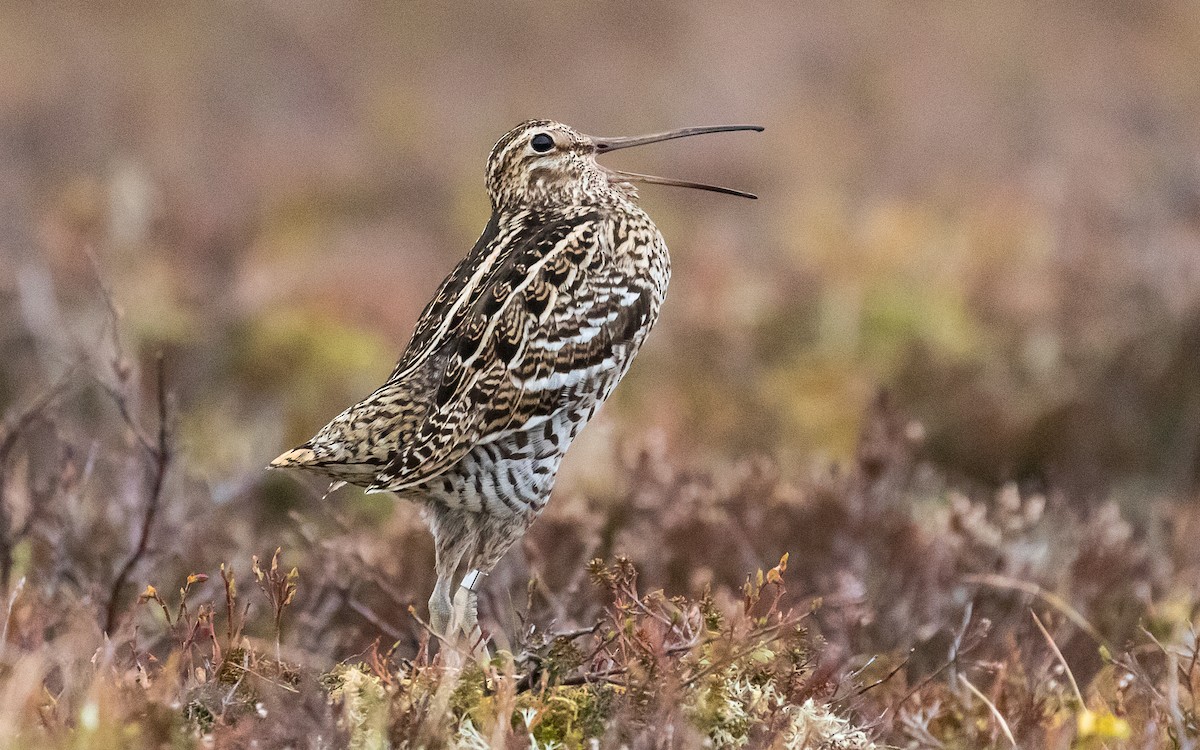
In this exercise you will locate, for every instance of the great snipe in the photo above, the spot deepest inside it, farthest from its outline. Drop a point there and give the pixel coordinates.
(521, 344)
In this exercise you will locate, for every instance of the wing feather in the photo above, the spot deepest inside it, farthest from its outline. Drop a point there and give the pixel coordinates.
(556, 311)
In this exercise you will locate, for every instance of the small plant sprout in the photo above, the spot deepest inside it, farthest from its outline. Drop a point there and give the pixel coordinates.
(280, 589)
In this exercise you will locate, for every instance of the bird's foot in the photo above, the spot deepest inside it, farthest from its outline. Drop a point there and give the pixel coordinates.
(465, 621)
(440, 611)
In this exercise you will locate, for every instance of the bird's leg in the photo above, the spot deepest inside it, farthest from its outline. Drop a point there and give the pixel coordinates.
(439, 607)
(466, 604)
(439, 603)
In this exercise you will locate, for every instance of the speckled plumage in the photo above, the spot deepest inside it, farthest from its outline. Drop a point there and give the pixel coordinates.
(520, 345)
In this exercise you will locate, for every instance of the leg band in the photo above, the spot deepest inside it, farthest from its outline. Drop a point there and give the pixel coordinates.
(471, 580)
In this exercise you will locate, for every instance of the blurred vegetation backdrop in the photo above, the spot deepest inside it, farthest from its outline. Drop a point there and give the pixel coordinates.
(991, 210)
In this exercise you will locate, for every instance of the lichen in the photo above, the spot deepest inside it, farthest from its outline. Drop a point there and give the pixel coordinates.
(364, 706)
(746, 697)
(566, 716)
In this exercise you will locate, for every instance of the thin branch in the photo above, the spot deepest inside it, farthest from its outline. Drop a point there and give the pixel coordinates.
(1172, 696)
(758, 639)
(590, 677)
(373, 617)
(1061, 659)
(263, 677)
(122, 405)
(161, 456)
(888, 676)
(12, 600)
(16, 425)
(12, 431)
(991, 707)
(526, 683)
(1054, 600)
(571, 635)
(950, 662)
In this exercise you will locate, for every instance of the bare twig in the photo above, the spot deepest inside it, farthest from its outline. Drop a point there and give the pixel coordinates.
(888, 676)
(991, 707)
(16, 424)
(759, 638)
(590, 677)
(571, 635)
(373, 617)
(1172, 697)
(8, 440)
(1049, 597)
(527, 681)
(12, 600)
(1173, 708)
(1061, 659)
(959, 635)
(956, 652)
(160, 456)
(263, 677)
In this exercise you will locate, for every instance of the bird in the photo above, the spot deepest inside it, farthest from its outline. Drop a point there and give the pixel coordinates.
(520, 345)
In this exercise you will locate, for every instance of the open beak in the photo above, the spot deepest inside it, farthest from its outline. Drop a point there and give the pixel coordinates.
(604, 145)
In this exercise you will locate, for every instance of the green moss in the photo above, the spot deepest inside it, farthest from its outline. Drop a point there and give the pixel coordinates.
(562, 658)
(566, 715)
(364, 706)
(470, 698)
(231, 670)
(199, 717)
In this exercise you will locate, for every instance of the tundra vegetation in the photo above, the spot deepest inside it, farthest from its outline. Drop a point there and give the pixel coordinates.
(874, 604)
(911, 459)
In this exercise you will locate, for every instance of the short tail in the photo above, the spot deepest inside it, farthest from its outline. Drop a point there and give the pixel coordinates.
(296, 458)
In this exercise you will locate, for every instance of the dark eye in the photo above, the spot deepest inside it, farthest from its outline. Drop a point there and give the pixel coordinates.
(542, 143)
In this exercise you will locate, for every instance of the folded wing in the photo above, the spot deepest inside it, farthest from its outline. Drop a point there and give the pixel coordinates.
(550, 323)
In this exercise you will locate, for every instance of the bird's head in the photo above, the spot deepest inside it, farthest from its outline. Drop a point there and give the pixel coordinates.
(541, 163)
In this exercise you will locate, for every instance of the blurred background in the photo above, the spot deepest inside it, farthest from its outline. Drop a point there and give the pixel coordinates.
(991, 210)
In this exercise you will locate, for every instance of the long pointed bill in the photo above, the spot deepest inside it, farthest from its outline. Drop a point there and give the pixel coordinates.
(604, 145)
(635, 177)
